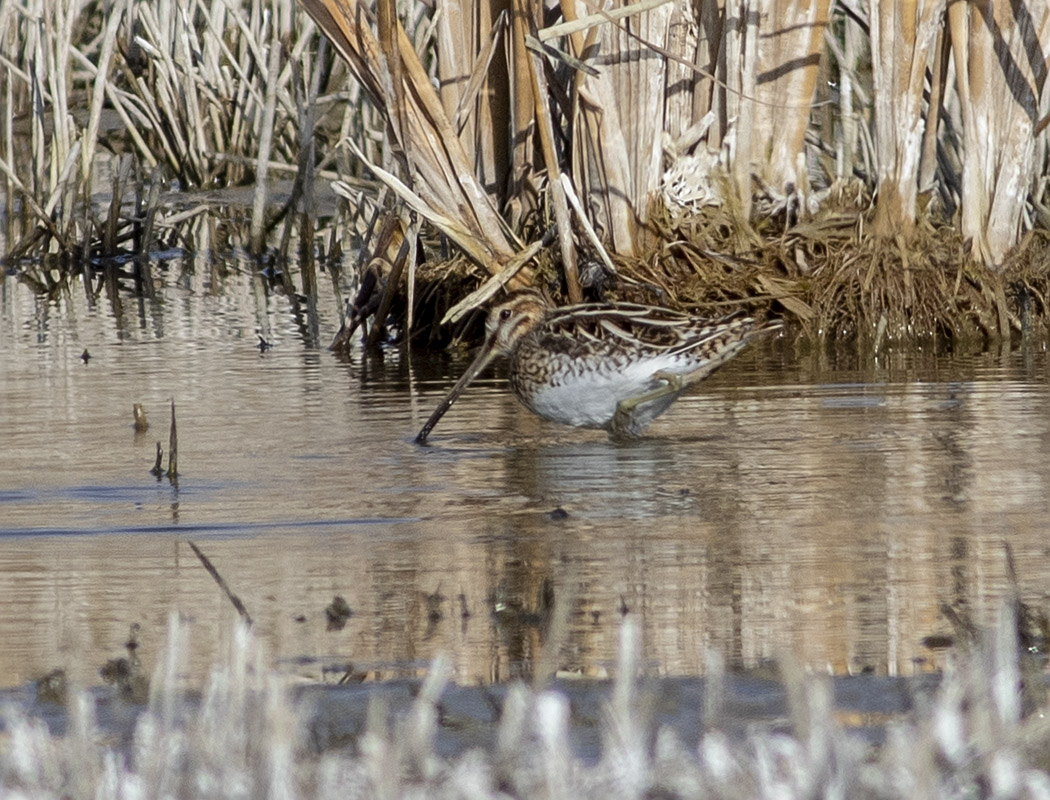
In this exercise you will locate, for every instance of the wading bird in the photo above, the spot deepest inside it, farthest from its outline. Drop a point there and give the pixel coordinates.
(615, 367)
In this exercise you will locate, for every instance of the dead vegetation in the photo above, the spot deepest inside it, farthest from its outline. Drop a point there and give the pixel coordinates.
(979, 731)
(839, 283)
(823, 159)
(852, 165)
(116, 113)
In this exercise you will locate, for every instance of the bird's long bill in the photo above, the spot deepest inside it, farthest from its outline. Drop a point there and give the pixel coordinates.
(488, 351)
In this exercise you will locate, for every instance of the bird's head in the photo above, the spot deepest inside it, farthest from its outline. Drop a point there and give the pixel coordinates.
(512, 320)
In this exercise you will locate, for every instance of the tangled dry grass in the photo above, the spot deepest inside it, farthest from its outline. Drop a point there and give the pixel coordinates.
(839, 283)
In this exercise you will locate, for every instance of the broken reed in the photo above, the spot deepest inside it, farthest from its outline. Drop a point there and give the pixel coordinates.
(141, 425)
(173, 448)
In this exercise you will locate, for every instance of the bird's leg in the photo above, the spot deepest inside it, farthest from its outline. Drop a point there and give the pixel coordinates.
(621, 426)
(688, 378)
(672, 383)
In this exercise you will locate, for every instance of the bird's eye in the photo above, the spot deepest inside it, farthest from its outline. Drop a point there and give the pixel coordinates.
(504, 314)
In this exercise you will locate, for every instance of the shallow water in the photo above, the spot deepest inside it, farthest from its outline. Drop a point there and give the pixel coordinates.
(787, 505)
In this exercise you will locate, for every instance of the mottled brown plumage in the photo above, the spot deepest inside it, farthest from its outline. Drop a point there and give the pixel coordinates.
(615, 367)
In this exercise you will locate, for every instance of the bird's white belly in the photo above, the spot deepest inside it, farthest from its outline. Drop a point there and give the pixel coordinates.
(576, 403)
(581, 395)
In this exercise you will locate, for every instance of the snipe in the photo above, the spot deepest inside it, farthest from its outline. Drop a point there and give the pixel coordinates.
(615, 367)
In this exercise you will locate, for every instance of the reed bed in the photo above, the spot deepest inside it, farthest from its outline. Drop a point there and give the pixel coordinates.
(799, 155)
(981, 733)
(104, 102)
(719, 130)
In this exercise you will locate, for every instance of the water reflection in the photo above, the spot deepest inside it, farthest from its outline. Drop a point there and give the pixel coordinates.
(781, 507)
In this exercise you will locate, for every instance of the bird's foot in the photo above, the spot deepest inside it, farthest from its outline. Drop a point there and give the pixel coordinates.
(625, 423)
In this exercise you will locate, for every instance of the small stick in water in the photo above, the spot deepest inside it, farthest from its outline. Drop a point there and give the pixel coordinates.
(222, 584)
(141, 423)
(173, 447)
(158, 470)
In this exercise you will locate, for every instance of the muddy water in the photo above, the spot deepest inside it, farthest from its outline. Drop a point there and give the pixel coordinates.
(785, 506)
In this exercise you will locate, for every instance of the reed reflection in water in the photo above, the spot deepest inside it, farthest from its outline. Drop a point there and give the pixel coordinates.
(780, 507)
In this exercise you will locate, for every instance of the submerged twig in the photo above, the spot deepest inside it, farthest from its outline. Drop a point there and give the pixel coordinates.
(222, 583)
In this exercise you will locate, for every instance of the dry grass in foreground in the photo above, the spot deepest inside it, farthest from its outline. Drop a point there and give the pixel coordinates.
(982, 734)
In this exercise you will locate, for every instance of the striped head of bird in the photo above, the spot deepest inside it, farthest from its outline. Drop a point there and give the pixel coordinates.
(512, 320)
(506, 325)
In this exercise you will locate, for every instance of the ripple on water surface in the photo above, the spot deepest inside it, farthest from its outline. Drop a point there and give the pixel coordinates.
(779, 506)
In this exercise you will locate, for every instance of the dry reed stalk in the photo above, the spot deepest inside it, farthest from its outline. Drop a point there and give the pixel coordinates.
(585, 223)
(143, 276)
(305, 176)
(681, 101)
(540, 94)
(522, 193)
(442, 177)
(617, 153)
(109, 39)
(257, 240)
(1001, 96)
(120, 179)
(741, 55)
(173, 448)
(709, 60)
(236, 601)
(387, 26)
(64, 185)
(903, 35)
(38, 143)
(472, 83)
(58, 28)
(390, 289)
(789, 52)
(852, 95)
(8, 34)
(938, 85)
(412, 236)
